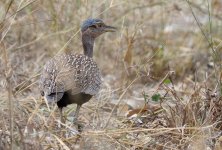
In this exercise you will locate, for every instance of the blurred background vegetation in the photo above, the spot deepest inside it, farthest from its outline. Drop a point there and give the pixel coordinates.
(162, 66)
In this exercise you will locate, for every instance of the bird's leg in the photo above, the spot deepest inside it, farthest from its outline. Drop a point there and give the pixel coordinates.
(75, 120)
(76, 113)
(62, 121)
(61, 116)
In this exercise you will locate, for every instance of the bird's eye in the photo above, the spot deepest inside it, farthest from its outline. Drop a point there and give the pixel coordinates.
(99, 25)
(93, 26)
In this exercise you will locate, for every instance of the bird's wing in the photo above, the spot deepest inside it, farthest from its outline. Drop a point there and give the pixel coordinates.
(67, 78)
(76, 73)
(58, 76)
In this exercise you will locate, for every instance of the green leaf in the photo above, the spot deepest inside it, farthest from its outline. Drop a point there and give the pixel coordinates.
(167, 81)
(156, 97)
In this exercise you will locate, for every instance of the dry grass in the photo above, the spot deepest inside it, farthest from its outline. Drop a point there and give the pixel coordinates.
(163, 69)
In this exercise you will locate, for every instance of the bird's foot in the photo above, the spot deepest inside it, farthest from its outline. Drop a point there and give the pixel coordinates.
(80, 127)
(78, 124)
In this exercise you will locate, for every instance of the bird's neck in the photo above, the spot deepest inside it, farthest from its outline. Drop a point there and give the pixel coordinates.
(88, 43)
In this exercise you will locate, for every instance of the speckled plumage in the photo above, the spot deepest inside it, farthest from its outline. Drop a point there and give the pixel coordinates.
(74, 72)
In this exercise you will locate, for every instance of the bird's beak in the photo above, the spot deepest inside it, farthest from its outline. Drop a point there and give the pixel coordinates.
(110, 29)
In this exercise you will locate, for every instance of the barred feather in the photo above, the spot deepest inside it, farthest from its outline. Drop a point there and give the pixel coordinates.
(75, 72)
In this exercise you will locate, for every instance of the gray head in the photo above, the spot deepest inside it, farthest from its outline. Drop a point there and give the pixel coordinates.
(91, 29)
(95, 27)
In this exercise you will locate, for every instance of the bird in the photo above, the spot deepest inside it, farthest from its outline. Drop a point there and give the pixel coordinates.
(74, 78)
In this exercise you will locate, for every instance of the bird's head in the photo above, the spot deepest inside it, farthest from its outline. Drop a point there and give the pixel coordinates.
(95, 27)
